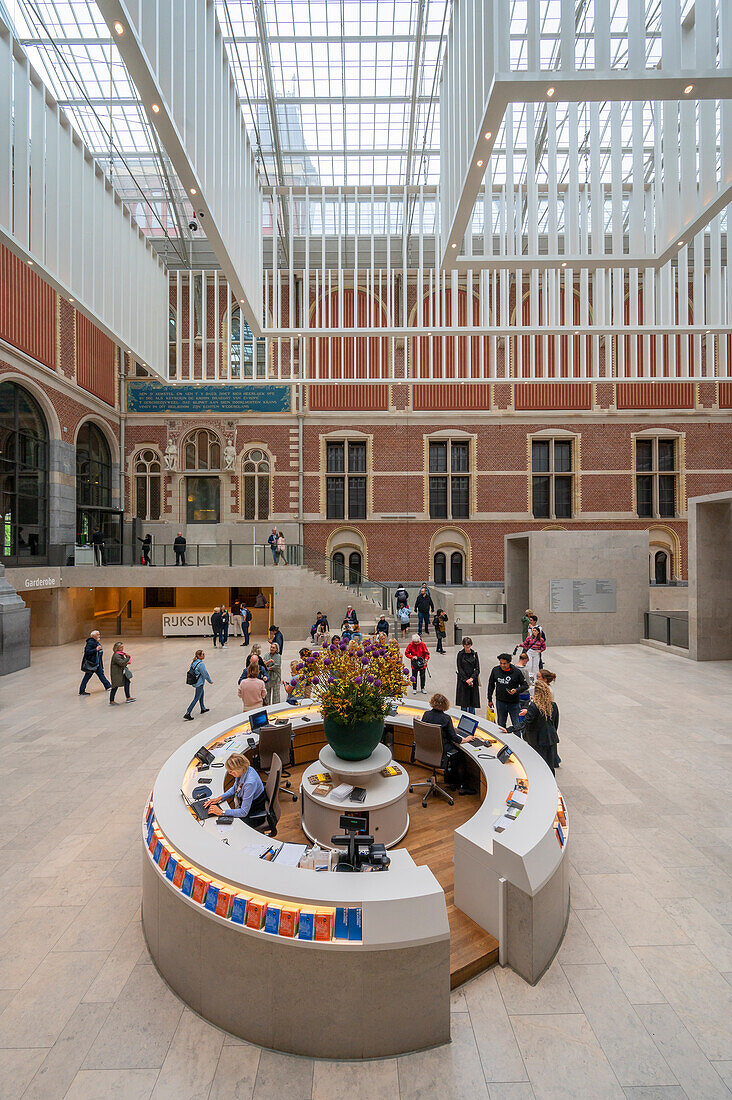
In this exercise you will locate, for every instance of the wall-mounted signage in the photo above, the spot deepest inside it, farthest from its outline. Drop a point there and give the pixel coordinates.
(187, 622)
(577, 596)
(157, 397)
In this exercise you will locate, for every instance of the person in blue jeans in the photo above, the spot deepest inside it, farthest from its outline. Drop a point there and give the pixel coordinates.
(508, 683)
(272, 541)
(92, 663)
(202, 677)
(423, 605)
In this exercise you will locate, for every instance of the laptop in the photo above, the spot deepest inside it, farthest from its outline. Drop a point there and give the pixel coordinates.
(467, 725)
(199, 807)
(258, 719)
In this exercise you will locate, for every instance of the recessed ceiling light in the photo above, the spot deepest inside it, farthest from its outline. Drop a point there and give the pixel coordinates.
(242, 301)
(71, 299)
(30, 263)
(156, 108)
(680, 244)
(119, 28)
(487, 135)
(193, 191)
(564, 263)
(688, 89)
(479, 163)
(550, 92)
(453, 245)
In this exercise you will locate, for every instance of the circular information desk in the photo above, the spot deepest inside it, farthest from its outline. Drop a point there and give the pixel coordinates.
(345, 965)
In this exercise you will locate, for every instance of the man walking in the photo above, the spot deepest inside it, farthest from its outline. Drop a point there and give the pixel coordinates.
(423, 605)
(508, 682)
(246, 618)
(98, 544)
(92, 663)
(179, 545)
(216, 625)
(275, 635)
(224, 635)
(272, 541)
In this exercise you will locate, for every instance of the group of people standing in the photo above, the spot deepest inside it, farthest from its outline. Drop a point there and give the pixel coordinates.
(278, 547)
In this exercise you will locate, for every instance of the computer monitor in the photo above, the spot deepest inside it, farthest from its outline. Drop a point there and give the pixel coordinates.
(467, 725)
(205, 756)
(258, 719)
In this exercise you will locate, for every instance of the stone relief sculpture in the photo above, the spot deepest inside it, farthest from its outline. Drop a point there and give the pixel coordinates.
(171, 456)
(229, 455)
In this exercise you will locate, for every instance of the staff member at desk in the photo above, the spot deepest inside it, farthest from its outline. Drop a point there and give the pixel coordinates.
(247, 791)
(453, 763)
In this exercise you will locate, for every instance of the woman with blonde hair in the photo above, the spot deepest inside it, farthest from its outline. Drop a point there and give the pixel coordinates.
(541, 719)
(246, 793)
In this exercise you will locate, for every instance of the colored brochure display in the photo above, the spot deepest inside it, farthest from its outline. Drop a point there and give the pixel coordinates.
(515, 803)
(267, 915)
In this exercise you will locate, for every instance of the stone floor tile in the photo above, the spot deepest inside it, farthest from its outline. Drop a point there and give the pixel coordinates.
(25, 944)
(699, 994)
(103, 919)
(497, 1047)
(236, 1072)
(552, 993)
(139, 1029)
(40, 1010)
(126, 1084)
(577, 946)
(64, 1059)
(365, 1080)
(712, 939)
(119, 964)
(280, 1075)
(630, 974)
(582, 1070)
(627, 1045)
(635, 913)
(77, 883)
(453, 1070)
(190, 1064)
(654, 1092)
(17, 1068)
(518, 1091)
(691, 1068)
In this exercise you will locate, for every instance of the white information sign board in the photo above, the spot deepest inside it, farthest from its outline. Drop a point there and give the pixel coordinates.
(583, 595)
(187, 622)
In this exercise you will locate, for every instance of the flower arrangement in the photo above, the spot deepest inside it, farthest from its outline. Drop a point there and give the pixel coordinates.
(352, 680)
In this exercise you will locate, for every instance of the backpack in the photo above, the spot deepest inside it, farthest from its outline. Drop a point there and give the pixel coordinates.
(403, 615)
(247, 615)
(192, 675)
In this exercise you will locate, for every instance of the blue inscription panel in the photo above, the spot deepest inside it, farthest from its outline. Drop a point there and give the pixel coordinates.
(156, 397)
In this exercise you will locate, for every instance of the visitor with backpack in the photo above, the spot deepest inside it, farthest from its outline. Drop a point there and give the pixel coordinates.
(418, 655)
(401, 597)
(246, 618)
(197, 677)
(403, 615)
(541, 720)
(439, 624)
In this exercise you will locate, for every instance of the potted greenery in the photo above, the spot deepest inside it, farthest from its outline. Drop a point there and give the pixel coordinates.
(352, 682)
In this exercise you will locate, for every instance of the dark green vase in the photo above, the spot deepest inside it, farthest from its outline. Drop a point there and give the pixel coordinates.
(355, 741)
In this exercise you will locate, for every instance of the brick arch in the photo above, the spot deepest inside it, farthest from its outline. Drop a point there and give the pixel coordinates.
(556, 362)
(448, 354)
(348, 356)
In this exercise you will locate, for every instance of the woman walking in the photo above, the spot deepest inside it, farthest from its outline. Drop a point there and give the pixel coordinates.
(252, 691)
(121, 673)
(467, 695)
(419, 655)
(534, 645)
(281, 548)
(541, 720)
(198, 677)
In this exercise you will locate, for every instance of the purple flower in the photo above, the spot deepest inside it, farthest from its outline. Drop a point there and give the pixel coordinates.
(357, 680)
(369, 679)
(359, 652)
(364, 660)
(310, 660)
(331, 679)
(377, 683)
(327, 661)
(316, 679)
(299, 666)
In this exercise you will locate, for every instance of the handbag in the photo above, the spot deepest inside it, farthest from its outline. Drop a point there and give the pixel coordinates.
(127, 673)
(87, 665)
(418, 663)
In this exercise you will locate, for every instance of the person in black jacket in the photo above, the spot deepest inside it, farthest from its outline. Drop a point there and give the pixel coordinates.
(146, 548)
(452, 763)
(423, 605)
(179, 545)
(92, 663)
(275, 635)
(439, 624)
(401, 597)
(216, 625)
(508, 682)
(382, 627)
(467, 695)
(98, 544)
(224, 632)
(541, 721)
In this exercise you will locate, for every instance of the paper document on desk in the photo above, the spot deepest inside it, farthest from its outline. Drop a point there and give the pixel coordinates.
(290, 855)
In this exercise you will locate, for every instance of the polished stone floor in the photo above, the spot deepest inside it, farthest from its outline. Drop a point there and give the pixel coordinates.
(638, 1002)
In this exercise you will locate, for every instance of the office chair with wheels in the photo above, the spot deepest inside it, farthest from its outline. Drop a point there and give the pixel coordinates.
(428, 751)
(266, 822)
(277, 740)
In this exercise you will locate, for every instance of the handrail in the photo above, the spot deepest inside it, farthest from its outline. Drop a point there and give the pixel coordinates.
(117, 615)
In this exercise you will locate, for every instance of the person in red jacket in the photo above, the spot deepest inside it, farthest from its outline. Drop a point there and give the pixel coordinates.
(419, 655)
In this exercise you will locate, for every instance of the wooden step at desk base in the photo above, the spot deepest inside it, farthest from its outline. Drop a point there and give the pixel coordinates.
(429, 841)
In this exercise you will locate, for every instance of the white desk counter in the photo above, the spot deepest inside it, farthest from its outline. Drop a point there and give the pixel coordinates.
(392, 986)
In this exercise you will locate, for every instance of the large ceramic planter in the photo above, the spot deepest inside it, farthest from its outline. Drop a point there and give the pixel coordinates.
(355, 741)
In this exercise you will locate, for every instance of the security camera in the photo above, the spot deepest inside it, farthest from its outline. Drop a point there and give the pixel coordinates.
(193, 226)
(200, 215)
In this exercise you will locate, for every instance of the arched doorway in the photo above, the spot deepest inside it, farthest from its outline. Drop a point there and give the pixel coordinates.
(439, 568)
(201, 456)
(338, 567)
(355, 567)
(94, 493)
(23, 476)
(660, 567)
(457, 567)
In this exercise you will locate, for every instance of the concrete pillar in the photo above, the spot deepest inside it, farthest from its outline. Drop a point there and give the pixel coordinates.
(61, 500)
(14, 629)
(710, 577)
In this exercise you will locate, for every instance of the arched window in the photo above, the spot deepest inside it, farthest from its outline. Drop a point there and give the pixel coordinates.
(660, 567)
(241, 348)
(355, 566)
(456, 567)
(147, 485)
(23, 475)
(172, 345)
(338, 567)
(440, 568)
(256, 471)
(93, 468)
(202, 451)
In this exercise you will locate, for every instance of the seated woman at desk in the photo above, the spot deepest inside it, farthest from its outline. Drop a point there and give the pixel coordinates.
(453, 762)
(247, 791)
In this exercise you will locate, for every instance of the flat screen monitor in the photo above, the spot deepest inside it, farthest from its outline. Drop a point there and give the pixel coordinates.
(467, 725)
(258, 719)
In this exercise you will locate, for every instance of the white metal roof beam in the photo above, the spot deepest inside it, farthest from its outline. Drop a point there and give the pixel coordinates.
(176, 58)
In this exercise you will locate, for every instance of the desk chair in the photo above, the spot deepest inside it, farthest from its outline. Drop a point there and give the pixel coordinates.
(277, 740)
(428, 751)
(266, 822)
